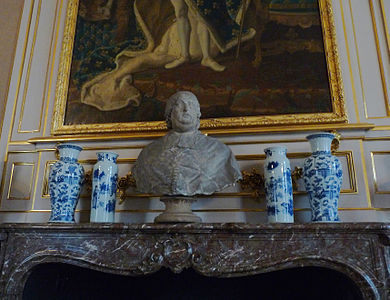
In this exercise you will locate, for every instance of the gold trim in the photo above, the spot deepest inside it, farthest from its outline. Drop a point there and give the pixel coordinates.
(21, 151)
(115, 147)
(17, 143)
(385, 26)
(36, 180)
(151, 135)
(64, 66)
(257, 157)
(382, 138)
(45, 179)
(349, 62)
(3, 179)
(372, 154)
(380, 128)
(261, 142)
(14, 164)
(216, 195)
(352, 172)
(5, 169)
(58, 17)
(249, 142)
(47, 76)
(90, 162)
(19, 81)
(385, 209)
(380, 61)
(377, 118)
(358, 61)
(374, 172)
(45, 150)
(369, 203)
(27, 79)
(119, 161)
(347, 154)
(230, 210)
(229, 125)
(11, 68)
(352, 138)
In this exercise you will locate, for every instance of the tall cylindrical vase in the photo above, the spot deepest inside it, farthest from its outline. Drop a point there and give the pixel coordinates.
(65, 180)
(104, 185)
(278, 186)
(322, 173)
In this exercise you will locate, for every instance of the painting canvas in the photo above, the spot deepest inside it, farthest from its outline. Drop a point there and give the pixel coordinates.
(250, 63)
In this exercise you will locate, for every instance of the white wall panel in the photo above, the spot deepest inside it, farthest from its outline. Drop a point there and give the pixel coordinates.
(368, 59)
(18, 185)
(37, 76)
(348, 59)
(377, 156)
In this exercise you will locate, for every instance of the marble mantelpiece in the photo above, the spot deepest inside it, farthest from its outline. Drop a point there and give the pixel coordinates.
(361, 251)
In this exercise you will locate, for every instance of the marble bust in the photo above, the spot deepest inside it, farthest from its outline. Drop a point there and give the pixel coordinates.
(185, 162)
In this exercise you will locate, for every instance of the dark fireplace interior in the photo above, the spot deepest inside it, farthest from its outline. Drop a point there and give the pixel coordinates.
(63, 281)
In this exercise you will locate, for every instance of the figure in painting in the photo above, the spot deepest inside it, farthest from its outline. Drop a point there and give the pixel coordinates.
(242, 58)
(174, 32)
(183, 31)
(185, 162)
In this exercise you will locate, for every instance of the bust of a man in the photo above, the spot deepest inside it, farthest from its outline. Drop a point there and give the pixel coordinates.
(185, 162)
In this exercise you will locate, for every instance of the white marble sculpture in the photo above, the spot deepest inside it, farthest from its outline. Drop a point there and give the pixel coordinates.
(185, 162)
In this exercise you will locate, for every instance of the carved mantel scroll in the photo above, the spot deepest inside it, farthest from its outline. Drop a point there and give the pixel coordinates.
(360, 251)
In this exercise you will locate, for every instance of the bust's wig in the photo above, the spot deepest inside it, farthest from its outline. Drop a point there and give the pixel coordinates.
(172, 101)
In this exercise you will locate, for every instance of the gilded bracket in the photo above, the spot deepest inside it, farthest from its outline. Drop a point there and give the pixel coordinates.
(88, 181)
(123, 184)
(253, 181)
(336, 141)
(295, 176)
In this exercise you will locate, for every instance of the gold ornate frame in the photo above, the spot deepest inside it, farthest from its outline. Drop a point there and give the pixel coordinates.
(229, 124)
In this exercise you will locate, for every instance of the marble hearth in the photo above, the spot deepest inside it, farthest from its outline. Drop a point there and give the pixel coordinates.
(360, 251)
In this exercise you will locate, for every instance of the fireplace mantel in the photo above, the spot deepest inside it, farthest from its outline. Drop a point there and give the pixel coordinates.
(361, 251)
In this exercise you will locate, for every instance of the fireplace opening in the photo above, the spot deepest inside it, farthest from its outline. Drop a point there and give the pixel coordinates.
(64, 281)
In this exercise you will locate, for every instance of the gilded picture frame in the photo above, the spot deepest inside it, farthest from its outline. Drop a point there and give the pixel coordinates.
(329, 112)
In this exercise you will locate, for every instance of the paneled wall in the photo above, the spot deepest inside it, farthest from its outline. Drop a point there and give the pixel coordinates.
(10, 14)
(27, 148)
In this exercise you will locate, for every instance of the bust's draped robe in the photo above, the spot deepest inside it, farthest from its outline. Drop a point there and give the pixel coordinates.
(185, 164)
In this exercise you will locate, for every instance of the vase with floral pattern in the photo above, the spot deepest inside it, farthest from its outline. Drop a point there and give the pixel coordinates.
(65, 180)
(104, 186)
(322, 173)
(278, 186)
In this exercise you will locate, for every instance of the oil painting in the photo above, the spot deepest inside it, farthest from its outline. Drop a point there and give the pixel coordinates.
(250, 63)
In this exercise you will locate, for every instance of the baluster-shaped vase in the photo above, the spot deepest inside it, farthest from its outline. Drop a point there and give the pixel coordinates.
(104, 185)
(323, 174)
(65, 180)
(278, 186)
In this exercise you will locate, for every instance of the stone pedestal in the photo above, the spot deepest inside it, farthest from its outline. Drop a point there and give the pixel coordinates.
(177, 210)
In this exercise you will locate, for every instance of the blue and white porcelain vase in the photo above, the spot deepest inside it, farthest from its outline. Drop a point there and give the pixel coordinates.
(65, 180)
(104, 185)
(278, 186)
(323, 175)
